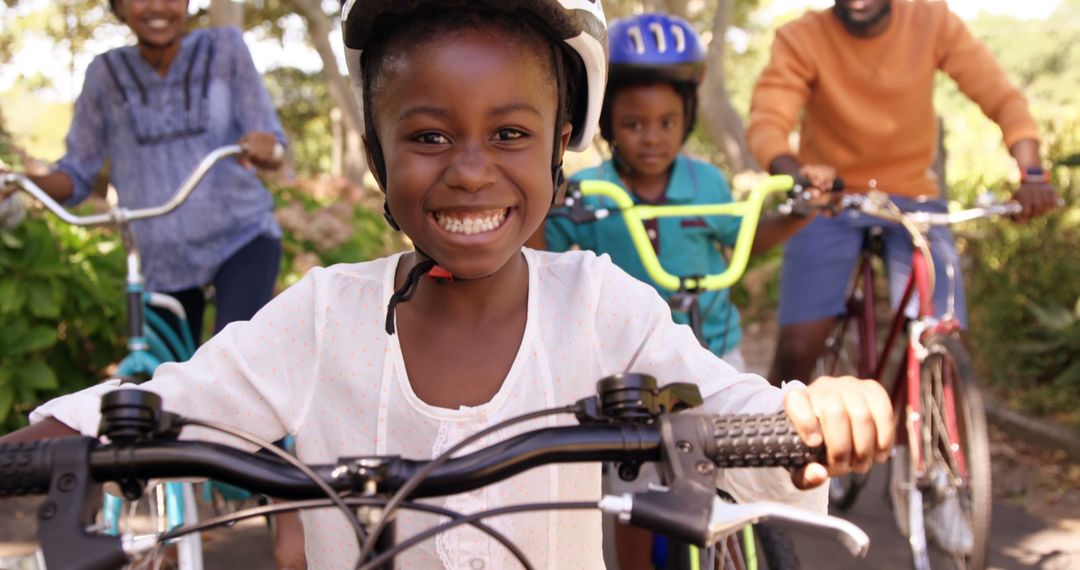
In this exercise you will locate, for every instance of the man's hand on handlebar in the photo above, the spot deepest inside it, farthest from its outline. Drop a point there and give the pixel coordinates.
(261, 150)
(852, 417)
(1037, 197)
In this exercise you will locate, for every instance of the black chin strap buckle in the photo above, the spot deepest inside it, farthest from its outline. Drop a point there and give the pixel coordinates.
(389, 217)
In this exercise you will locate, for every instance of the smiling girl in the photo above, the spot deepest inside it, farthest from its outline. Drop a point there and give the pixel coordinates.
(470, 106)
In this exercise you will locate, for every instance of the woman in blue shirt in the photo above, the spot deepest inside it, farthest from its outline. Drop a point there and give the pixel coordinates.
(153, 111)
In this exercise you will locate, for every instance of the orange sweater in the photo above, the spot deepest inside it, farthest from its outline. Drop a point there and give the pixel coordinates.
(867, 102)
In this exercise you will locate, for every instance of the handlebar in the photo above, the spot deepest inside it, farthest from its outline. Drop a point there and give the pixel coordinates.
(877, 204)
(628, 421)
(729, 441)
(118, 215)
(635, 215)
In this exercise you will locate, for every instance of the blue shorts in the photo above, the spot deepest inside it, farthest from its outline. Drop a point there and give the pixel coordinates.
(820, 258)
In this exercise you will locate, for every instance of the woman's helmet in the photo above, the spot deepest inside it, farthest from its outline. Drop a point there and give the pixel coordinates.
(655, 48)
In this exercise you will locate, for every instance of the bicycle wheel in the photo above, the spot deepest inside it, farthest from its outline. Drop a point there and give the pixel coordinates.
(841, 358)
(771, 549)
(957, 496)
(164, 505)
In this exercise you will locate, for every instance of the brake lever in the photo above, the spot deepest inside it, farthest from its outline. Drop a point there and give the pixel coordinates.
(574, 208)
(798, 202)
(728, 517)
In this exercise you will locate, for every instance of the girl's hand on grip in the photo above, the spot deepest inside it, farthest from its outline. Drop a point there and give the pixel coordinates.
(853, 418)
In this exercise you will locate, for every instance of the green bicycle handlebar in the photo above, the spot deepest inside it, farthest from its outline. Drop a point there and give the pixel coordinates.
(636, 214)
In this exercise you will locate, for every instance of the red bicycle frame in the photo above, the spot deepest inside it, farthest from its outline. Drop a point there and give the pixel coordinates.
(906, 389)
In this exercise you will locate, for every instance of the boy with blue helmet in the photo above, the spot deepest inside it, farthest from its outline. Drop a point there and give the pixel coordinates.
(656, 64)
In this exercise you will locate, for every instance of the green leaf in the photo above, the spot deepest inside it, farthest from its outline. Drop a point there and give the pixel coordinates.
(1069, 377)
(36, 374)
(8, 292)
(9, 240)
(40, 337)
(42, 301)
(1053, 317)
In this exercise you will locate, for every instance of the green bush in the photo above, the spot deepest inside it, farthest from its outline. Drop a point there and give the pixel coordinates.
(61, 305)
(1021, 278)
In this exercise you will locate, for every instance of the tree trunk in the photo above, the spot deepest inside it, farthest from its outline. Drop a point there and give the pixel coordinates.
(677, 8)
(227, 13)
(353, 163)
(715, 110)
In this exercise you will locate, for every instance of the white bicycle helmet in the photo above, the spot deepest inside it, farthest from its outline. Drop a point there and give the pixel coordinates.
(579, 23)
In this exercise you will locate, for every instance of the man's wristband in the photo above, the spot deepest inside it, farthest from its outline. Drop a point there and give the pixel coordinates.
(1034, 175)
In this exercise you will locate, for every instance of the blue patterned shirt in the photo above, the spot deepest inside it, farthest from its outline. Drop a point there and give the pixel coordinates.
(153, 130)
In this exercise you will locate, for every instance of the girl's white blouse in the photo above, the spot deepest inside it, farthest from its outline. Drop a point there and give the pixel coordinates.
(317, 363)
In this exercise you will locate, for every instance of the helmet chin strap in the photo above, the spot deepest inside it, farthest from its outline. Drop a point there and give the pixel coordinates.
(408, 289)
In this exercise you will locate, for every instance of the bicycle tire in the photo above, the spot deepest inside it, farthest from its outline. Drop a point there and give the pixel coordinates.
(841, 358)
(154, 509)
(774, 548)
(974, 490)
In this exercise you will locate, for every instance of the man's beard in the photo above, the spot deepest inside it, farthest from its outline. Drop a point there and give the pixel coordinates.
(859, 27)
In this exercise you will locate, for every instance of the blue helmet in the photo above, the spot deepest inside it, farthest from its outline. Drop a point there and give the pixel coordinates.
(655, 46)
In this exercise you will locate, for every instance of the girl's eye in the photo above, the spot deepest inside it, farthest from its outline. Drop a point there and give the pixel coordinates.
(669, 124)
(505, 135)
(431, 138)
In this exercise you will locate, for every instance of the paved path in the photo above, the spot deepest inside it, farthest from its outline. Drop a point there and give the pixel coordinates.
(1019, 538)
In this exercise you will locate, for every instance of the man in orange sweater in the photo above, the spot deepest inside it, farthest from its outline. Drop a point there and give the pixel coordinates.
(861, 74)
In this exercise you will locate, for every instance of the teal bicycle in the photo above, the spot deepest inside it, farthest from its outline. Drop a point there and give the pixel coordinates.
(151, 341)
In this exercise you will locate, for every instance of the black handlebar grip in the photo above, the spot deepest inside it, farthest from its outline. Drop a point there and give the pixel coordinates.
(802, 182)
(25, 468)
(761, 441)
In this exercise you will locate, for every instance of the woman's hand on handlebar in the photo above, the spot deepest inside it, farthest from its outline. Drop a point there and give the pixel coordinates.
(852, 417)
(262, 150)
(6, 190)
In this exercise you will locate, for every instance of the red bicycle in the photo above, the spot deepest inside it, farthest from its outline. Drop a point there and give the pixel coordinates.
(940, 471)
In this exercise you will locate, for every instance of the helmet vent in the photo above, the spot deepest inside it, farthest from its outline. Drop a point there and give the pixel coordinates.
(638, 41)
(680, 38)
(658, 34)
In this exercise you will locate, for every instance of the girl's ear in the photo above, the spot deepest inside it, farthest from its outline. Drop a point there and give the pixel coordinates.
(371, 164)
(564, 137)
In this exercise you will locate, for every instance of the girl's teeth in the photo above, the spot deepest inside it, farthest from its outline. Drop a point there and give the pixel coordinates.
(471, 225)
